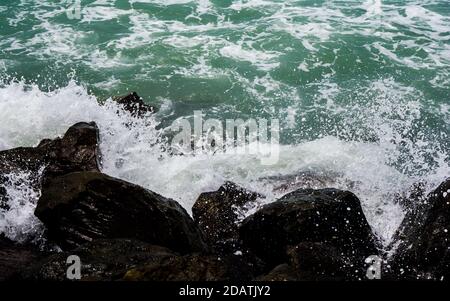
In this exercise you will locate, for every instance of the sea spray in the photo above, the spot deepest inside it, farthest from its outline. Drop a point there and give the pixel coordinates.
(132, 149)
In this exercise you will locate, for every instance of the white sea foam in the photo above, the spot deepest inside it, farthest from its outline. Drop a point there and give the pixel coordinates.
(18, 222)
(255, 4)
(372, 7)
(97, 13)
(162, 2)
(263, 60)
(108, 84)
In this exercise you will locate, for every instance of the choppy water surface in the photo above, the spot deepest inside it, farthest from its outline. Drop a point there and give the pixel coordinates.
(361, 88)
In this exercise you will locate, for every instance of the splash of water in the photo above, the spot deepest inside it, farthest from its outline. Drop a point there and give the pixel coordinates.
(133, 149)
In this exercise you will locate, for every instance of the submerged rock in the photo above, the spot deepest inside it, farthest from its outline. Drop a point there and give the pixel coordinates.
(422, 242)
(77, 150)
(315, 261)
(103, 259)
(134, 104)
(132, 260)
(79, 207)
(216, 213)
(329, 216)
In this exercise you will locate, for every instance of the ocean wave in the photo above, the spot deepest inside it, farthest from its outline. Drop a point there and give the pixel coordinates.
(133, 149)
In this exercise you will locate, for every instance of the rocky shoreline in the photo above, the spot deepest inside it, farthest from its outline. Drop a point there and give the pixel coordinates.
(122, 231)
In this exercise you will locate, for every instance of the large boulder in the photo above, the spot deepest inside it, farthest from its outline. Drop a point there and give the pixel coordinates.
(421, 244)
(22, 159)
(217, 214)
(134, 104)
(79, 207)
(327, 216)
(193, 267)
(103, 259)
(77, 150)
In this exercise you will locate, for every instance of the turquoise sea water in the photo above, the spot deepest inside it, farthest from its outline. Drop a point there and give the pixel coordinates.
(361, 88)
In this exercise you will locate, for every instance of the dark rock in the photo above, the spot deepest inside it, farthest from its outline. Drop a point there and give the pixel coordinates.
(282, 272)
(14, 257)
(422, 241)
(327, 216)
(315, 261)
(101, 260)
(193, 268)
(134, 104)
(22, 159)
(82, 206)
(77, 150)
(216, 213)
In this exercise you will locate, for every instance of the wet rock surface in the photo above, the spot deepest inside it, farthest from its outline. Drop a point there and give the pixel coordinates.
(327, 216)
(216, 213)
(77, 150)
(422, 242)
(79, 207)
(193, 268)
(103, 259)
